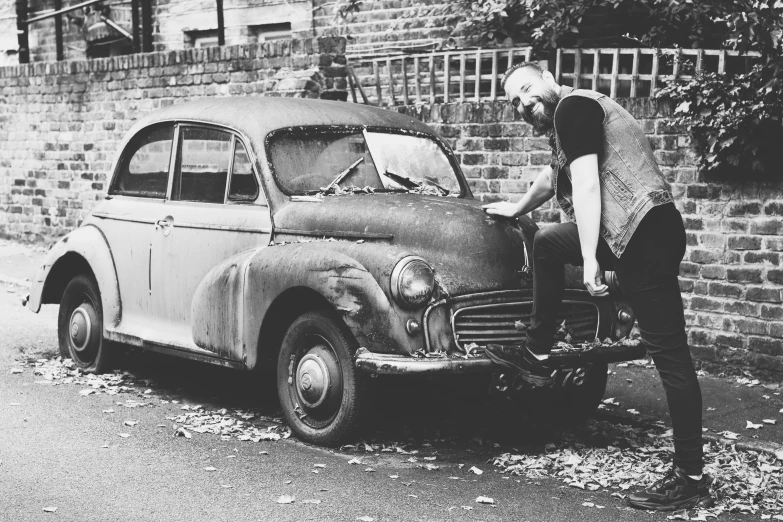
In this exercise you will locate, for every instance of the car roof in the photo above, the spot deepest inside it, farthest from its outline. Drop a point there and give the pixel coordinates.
(275, 113)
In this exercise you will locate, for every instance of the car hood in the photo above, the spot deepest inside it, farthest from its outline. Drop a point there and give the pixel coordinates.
(470, 251)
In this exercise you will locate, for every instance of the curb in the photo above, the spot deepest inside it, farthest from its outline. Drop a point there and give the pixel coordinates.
(771, 448)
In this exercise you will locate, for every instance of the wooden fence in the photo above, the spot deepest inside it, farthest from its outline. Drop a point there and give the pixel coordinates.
(474, 75)
(436, 77)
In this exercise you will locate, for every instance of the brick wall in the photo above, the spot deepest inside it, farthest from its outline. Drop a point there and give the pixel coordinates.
(60, 123)
(731, 276)
(384, 23)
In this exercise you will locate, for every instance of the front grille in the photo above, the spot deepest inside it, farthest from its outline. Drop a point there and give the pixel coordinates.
(495, 322)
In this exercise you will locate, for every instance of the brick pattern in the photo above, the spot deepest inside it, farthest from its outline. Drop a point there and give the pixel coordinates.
(381, 23)
(60, 123)
(731, 276)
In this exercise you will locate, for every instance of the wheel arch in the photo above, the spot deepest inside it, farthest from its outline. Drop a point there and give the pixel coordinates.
(283, 311)
(85, 250)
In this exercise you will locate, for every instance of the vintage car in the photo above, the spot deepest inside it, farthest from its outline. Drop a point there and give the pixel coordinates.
(326, 241)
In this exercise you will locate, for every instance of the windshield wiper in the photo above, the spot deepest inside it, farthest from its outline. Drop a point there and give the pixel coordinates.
(341, 176)
(412, 183)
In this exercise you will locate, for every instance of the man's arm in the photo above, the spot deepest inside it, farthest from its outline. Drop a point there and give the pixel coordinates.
(587, 209)
(539, 193)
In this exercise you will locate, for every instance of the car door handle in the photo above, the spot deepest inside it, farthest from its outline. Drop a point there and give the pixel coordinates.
(165, 224)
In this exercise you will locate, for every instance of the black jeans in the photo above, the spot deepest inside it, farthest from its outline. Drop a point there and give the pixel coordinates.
(647, 271)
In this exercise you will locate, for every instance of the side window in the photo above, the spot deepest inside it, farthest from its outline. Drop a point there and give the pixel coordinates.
(243, 186)
(144, 166)
(202, 171)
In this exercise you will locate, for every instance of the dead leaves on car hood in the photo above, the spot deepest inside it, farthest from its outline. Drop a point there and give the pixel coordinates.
(621, 459)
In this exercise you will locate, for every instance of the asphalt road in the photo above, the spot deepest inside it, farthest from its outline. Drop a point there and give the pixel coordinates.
(59, 449)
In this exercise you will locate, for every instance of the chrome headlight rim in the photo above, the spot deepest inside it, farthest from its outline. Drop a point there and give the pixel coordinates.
(395, 280)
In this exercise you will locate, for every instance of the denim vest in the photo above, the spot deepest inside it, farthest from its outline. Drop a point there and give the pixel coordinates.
(631, 182)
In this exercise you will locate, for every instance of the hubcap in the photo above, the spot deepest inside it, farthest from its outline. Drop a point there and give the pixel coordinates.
(83, 331)
(318, 380)
(80, 328)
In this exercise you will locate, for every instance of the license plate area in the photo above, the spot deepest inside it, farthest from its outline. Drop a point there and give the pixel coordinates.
(510, 381)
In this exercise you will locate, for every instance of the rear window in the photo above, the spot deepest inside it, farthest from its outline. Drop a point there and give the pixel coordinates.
(144, 166)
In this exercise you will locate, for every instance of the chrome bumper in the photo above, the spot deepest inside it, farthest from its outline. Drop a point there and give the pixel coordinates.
(393, 364)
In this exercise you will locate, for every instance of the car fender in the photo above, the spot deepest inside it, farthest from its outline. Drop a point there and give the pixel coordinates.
(232, 301)
(89, 244)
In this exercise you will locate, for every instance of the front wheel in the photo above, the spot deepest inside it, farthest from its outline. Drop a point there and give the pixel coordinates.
(572, 403)
(321, 391)
(80, 326)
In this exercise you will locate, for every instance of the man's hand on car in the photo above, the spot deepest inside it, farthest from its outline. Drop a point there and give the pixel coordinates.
(501, 208)
(592, 278)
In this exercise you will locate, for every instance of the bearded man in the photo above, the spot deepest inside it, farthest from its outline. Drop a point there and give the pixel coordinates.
(622, 218)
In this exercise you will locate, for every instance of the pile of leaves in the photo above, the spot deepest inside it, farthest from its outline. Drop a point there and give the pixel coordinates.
(229, 424)
(58, 371)
(604, 456)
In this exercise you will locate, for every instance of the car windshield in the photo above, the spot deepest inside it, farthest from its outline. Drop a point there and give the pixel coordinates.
(313, 161)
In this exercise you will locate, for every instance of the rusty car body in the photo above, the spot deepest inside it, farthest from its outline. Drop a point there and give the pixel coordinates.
(327, 241)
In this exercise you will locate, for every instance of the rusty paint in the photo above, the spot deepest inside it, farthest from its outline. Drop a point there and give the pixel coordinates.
(89, 243)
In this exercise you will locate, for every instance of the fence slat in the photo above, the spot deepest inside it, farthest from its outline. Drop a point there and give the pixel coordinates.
(577, 67)
(558, 64)
(722, 62)
(404, 70)
(596, 68)
(432, 78)
(377, 82)
(477, 83)
(699, 65)
(446, 77)
(528, 53)
(676, 67)
(654, 72)
(462, 64)
(392, 100)
(510, 58)
(615, 72)
(493, 90)
(635, 73)
(416, 80)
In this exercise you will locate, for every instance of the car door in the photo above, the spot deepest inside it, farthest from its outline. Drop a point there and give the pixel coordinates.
(135, 201)
(216, 209)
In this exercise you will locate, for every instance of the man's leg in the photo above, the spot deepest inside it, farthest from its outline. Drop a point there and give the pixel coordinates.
(648, 270)
(554, 246)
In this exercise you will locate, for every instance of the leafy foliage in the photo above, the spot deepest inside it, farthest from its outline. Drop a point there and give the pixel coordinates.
(735, 121)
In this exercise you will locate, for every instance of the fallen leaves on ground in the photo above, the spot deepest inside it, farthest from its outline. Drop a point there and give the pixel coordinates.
(286, 499)
(601, 455)
(485, 500)
(475, 470)
(231, 424)
(49, 509)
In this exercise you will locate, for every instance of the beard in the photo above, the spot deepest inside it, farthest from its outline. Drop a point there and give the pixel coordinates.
(544, 120)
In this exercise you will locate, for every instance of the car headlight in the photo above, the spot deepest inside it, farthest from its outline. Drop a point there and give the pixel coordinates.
(412, 281)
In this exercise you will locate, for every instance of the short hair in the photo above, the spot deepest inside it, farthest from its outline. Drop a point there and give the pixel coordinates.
(521, 65)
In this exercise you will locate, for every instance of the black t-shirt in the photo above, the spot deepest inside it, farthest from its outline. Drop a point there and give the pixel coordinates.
(579, 125)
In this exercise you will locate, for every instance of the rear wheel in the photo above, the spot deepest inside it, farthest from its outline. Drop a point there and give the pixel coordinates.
(80, 326)
(571, 404)
(321, 391)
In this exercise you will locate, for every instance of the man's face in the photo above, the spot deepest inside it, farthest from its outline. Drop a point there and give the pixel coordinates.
(534, 97)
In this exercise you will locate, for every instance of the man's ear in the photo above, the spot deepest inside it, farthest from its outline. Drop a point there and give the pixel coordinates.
(548, 78)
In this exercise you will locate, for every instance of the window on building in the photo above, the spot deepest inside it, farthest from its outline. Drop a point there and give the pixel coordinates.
(266, 32)
(197, 39)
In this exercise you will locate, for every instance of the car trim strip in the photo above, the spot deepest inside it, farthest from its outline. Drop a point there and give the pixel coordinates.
(334, 233)
(224, 228)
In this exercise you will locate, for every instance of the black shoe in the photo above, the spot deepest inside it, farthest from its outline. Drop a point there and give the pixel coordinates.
(674, 491)
(521, 359)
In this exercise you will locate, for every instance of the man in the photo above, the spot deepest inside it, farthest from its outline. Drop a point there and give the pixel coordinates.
(622, 218)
